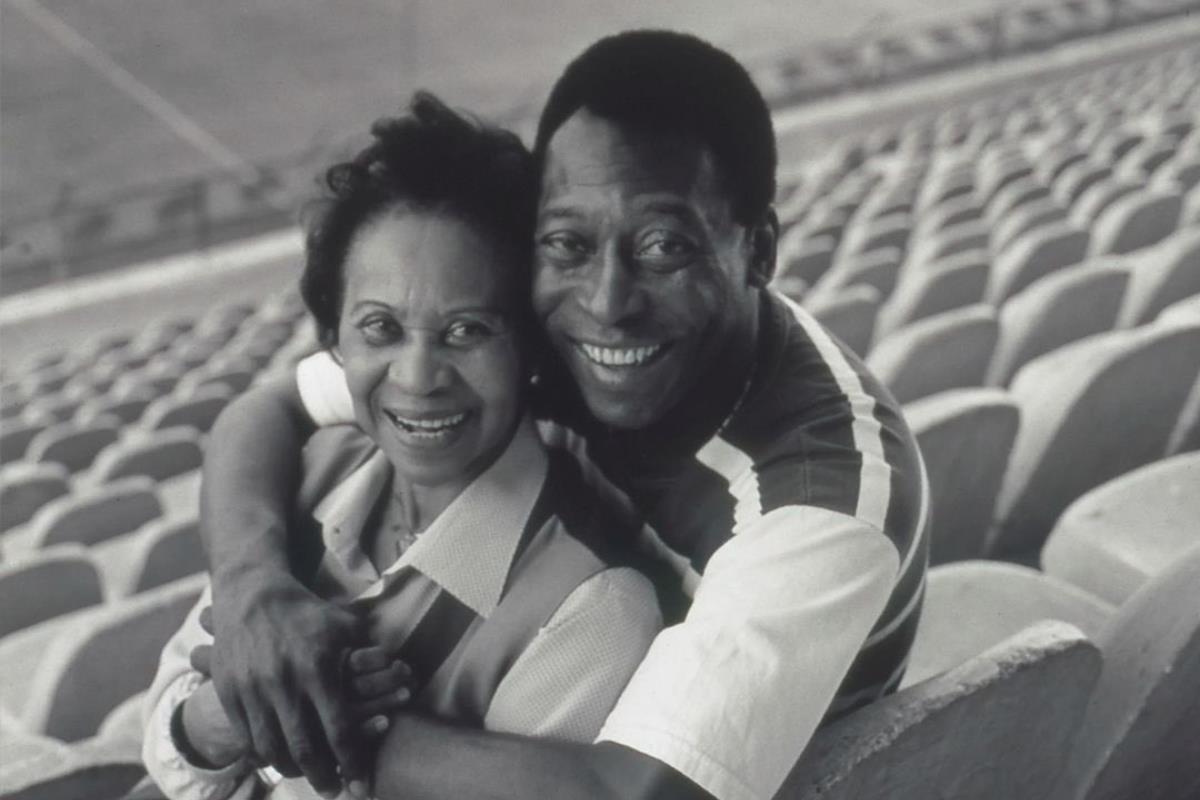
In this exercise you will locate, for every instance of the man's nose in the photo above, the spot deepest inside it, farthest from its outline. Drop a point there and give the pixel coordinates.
(418, 369)
(612, 294)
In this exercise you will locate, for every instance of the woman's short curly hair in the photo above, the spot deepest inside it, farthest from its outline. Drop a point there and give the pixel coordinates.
(431, 159)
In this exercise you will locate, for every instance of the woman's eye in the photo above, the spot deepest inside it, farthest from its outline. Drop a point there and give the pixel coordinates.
(466, 334)
(380, 330)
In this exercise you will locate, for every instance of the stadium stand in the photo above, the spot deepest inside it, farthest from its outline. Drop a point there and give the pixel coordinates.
(76, 687)
(25, 488)
(999, 599)
(74, 445)
(1138, 736)
(1032, 689)
(92, 516)
(46, 584)
(159, 455)
(1061, 308)
(950, 350)
(1121, 534)
(966, 436)
(197, 410)
(1161, 276)
(1086, 417)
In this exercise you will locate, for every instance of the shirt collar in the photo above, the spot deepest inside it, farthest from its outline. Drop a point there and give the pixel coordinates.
(469, 549)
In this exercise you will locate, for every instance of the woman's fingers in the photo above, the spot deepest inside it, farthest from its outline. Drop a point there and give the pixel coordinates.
(368, 659)
(380, 683)
(384, 706)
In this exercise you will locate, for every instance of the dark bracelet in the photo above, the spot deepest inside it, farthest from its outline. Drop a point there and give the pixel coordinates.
(179, 737)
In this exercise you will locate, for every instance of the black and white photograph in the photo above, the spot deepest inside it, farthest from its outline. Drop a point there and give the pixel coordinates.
(531, 400)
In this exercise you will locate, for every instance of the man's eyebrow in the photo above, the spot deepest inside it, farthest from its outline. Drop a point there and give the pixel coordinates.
(552, 213)
(672, 208)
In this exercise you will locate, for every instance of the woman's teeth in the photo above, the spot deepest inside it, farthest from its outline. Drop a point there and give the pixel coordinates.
(430, 428)
(619, 356)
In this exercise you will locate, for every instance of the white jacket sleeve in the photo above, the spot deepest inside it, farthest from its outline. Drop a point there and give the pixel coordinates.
(174, 683)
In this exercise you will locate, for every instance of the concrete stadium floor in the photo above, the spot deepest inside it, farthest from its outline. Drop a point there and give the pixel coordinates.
(105, 96)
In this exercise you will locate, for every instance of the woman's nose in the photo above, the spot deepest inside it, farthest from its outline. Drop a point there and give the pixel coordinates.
(418, 369)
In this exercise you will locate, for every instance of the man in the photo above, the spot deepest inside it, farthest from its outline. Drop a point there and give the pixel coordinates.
(776, 475)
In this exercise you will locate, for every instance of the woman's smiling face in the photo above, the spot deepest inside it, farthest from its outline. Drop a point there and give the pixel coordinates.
(428, 340)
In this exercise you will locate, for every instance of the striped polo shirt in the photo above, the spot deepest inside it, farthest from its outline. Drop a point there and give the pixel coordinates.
(526, 552)
(812, 429)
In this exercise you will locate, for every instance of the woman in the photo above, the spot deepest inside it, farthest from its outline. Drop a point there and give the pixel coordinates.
(483, 564)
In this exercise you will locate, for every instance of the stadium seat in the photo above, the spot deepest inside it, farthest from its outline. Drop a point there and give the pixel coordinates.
(122, 729)
(166, 551)
(946, 351)
(1121, 534)
(233, 372)
(949, 213)
(25, 488)
(1160, 276)
(160, 454)
(929, 740)
(72, 444)
(971, 606)
(1099, 197)
(59, 407)
(944, 285)
(1033, 255)
(15, 436)
(95, 515)
(965, 436)
(1058, 309)
(1181, 312)
(103, 659)
(1075, 181)
(197, 411)
(1086, 417)
(804, 258)
(951, 241)
(45, 585)
(127, 405)
(849, 315)
(1025, 218)
(877, 268)
(1014, 197)
(72, 773)
(889, 232)
(1137, 220)
(1138, 737)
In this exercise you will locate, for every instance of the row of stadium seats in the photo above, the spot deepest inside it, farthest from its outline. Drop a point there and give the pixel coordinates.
(902, 54)
(1024, 274)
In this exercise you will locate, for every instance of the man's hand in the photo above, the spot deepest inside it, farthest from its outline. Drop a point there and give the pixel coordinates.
(277, 668)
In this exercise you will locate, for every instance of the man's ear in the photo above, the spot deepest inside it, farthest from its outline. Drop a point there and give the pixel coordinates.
(764, 241)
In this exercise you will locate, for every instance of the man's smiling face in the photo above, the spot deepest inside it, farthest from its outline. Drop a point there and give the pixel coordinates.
(641, 273)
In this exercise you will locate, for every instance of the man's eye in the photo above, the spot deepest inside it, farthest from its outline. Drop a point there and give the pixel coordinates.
(666, 250)
(563, 245)
(380, 330)
(469, 333)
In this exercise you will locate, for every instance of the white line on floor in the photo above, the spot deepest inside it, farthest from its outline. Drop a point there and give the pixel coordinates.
(180, 124)
(151, 275)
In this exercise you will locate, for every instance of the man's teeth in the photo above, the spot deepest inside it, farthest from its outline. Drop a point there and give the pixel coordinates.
(619, 356)
(428, 426)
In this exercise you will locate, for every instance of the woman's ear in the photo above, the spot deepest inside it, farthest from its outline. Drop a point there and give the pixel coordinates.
(764, 241)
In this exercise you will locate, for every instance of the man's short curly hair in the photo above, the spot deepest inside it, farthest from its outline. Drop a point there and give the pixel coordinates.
(432, 159)
(676, 83)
